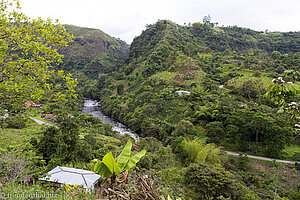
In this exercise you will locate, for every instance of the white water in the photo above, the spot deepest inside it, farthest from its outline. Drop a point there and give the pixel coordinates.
(92, 107)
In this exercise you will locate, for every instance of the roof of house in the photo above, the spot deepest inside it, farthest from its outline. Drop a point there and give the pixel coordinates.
(183, 92)
(72, 176)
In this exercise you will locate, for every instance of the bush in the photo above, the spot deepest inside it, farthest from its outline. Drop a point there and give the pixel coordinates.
(15, 122)
(295, 192)
(197, 151)
(203, 181)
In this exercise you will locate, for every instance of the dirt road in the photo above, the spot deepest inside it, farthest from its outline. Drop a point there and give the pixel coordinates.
(40, 122)
(262, 158)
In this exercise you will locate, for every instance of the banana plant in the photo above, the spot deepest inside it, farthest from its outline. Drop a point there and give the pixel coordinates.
(109, 167)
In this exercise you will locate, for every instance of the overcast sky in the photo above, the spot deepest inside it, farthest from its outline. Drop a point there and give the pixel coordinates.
(125, 19)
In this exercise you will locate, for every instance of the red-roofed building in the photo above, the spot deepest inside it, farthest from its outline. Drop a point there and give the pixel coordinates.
(32, 104)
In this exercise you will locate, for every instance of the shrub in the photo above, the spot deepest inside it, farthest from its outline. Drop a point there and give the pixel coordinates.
(203, 181)
(15, 122)
(197, 151)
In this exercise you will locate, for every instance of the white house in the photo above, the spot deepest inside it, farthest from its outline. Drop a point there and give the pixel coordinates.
(72, 176)
(180, 92)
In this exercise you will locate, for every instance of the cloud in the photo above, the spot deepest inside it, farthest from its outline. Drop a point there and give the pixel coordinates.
(127, 19)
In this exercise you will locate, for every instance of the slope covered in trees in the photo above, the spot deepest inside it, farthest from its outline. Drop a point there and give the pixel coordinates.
(193, 88)
(93, 52)
(226, 69)
(188, 90)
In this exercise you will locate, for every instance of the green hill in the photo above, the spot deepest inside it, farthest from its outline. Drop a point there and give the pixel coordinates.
(225, 69)
(188, 86)
(93, 52)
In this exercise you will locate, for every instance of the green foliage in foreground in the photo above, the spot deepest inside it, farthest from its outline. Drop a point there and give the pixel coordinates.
(108, 167)
(28, 52)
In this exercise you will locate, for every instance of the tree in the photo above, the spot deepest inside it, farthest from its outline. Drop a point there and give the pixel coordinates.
(250, 128)
(28, 55)
(284, 92)
(60, 145)
(203, 181)
(196, 151)
(275, 55)
(215, 131)
(206, 19)
(120, 88)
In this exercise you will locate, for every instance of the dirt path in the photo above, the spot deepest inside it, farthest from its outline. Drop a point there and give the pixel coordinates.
(40, 122)
(262, 158)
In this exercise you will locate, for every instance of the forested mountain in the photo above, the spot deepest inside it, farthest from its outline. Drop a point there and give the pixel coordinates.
(93, 52)
(226, 69)
(190, 90)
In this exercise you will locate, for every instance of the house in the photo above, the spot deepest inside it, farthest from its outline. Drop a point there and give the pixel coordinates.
(72, 176)
(32, 104)
(297, 126)
(70, 116)
(180, 92)
(241, 105)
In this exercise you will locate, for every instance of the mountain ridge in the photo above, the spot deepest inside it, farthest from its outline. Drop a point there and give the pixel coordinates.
(93, 52)
(168, 57)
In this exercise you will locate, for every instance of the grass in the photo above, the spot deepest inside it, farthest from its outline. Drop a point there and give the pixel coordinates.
(290, 151)
(15, 137)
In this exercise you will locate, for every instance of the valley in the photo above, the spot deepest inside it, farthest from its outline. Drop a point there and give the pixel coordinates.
(189, 112)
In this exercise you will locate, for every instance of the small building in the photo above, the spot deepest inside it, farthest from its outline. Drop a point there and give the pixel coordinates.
(297, 126)
(180, 92)
(72, 176)
(32, 104)
(70, 116)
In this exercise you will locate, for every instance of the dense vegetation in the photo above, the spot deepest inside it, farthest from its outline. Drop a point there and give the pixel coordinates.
(226, 79)
(92, 54)
(227, 71)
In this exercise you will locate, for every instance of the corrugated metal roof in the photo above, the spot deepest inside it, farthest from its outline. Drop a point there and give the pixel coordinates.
(72, 176)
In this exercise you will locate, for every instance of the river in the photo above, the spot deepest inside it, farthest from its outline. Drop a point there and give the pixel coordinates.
(93, 107)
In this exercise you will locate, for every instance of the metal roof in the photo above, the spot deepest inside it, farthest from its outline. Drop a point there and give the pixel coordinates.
(72, 176)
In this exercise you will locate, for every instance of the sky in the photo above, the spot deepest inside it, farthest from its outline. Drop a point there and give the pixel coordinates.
(126, 19)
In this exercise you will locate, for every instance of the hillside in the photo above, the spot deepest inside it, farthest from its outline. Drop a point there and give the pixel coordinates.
(190, 92)
(93, 52)
(226, 69)
(200, 88)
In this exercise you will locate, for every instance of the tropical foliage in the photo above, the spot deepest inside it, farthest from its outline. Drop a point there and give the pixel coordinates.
(108, 167)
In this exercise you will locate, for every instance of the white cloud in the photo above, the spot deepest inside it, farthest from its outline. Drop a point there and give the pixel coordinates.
(127, 19)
